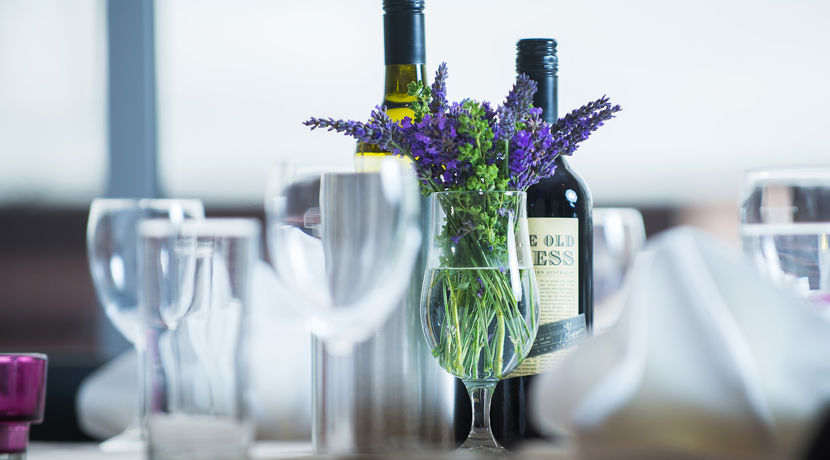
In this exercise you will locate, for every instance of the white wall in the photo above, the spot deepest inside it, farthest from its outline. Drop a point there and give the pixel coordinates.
(709, 88)
(52, 101)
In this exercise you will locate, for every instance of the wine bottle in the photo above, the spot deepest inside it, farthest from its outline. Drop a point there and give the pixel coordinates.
(404, 400)
(404, 55)
(559, 223)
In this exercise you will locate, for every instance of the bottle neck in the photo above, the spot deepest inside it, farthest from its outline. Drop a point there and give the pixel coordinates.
(396, 84)
(403, 38)
(404, 53)
(546, 96)
(536, 58)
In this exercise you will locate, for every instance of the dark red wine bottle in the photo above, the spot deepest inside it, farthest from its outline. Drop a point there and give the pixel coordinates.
(559, 223)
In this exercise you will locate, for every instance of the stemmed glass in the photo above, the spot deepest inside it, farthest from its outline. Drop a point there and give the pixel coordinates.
(619, 233)
(112, 250)
(785, 229)
(479, 301)
(343, 245)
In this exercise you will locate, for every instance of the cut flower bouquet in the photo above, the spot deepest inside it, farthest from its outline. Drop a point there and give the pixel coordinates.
(470, 146)
(484, 309)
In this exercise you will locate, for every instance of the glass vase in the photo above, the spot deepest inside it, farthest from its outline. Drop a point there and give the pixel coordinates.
(479, 300)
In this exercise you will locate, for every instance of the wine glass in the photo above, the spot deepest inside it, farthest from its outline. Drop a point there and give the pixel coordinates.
(112, 250)
(785, 229)
(343, 246)
(619, 233)
(479, 301)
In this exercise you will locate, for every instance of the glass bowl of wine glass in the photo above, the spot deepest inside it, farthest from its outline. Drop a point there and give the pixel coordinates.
(112, 251)
(785, 229)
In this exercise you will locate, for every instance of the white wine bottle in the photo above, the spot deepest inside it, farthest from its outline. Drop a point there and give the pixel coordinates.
(404, 56)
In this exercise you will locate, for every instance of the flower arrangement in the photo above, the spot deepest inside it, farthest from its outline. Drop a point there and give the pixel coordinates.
(470, 146)
(482, 304)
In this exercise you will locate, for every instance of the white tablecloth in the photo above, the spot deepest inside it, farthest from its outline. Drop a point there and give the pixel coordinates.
(90, 451)
(284, 450)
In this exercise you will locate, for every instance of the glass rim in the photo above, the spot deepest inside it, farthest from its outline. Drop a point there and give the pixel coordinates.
(480, 192)
(36, 355)
(102, 205)
(621, 209)
(601, 212)
(228, 227)
(143, 201)
(784, 173)
(311, 168)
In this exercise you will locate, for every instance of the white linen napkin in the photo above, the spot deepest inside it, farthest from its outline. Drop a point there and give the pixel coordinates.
(280, 381)
(707, 360)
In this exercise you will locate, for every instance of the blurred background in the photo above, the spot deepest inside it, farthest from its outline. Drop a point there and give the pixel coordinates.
(197, 98)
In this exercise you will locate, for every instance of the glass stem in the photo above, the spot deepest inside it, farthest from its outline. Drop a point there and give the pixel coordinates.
(141, 406)
(480, 433)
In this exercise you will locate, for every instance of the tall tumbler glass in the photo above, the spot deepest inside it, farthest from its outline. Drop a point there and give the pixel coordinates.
(196, 289)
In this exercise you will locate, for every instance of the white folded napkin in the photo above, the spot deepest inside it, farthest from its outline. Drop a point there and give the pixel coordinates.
(279, 384)
(707, 360)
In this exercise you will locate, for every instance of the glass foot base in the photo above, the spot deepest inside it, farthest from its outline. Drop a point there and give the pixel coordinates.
(482, 443)
(483, 451)
(13, 456)
(130, 440)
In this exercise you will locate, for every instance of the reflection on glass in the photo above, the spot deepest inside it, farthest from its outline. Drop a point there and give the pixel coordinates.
(785, 223)
(112, 249)
(343, 245)
(619, 233)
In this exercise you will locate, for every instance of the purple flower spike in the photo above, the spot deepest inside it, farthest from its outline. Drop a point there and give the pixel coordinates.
(470, 146)
(439, 90)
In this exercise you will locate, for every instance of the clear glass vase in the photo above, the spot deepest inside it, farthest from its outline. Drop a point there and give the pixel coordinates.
(479, 301)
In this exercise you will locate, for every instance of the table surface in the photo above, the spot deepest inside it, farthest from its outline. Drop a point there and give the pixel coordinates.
(275, 450)
(90, 451)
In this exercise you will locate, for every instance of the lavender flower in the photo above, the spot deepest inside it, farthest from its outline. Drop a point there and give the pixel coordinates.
(439, 90)
(578, 125)
(468, 145)
(518, 101)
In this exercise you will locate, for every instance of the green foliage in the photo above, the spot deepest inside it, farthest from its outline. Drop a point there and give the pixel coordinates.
(423, 96)
(481, 310)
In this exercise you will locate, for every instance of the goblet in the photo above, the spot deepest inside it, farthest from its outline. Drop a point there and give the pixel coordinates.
(343, 245)
(479, 301)
(619, 234)
(785, 229)
(112, 250)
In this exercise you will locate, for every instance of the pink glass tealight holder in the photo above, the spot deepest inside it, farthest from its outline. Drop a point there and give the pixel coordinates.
(22, 395)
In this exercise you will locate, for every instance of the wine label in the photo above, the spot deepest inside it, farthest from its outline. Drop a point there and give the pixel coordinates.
(554, 243)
